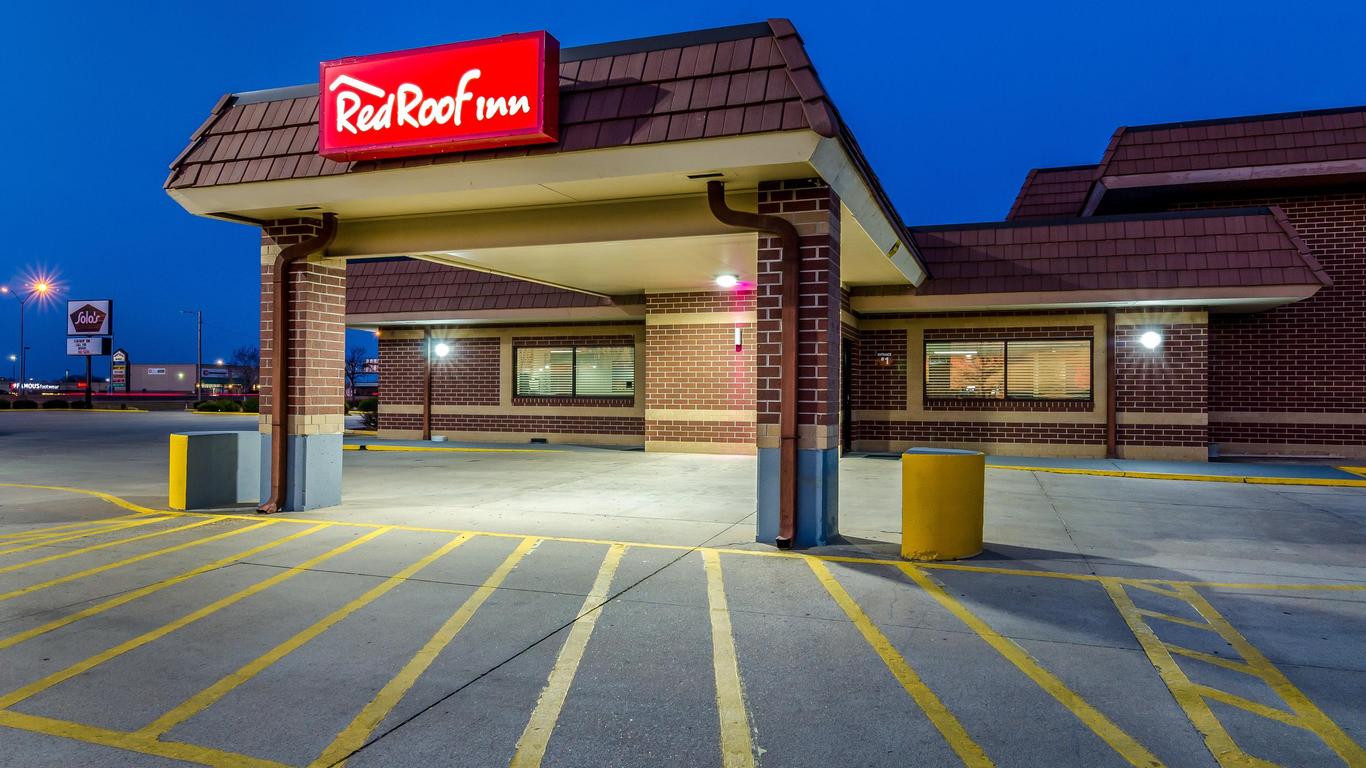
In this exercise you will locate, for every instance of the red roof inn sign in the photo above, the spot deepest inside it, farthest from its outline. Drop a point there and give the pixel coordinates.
(499, 92)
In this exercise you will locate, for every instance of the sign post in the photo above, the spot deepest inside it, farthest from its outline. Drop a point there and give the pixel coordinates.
(89, 326)
(118, 371)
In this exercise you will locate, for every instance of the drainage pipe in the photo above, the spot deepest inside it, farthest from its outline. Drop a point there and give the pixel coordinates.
(788, 333)
(1111, 428)
(279, 358)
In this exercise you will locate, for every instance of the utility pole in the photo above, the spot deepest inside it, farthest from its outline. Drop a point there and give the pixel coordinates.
(198, 351)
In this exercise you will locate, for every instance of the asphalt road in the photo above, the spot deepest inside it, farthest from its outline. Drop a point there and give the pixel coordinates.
(482, 609)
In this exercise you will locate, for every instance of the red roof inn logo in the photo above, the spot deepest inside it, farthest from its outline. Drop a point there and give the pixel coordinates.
(88, 318)
(499, 92)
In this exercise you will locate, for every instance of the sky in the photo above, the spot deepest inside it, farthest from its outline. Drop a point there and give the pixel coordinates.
(952, 102)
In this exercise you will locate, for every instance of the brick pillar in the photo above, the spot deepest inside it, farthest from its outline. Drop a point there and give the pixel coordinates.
(814, 208)
(699, 386)
(1162, 394)
(317, 388)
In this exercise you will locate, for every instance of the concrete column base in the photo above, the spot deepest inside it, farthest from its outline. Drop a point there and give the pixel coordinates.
(818, 497)
(314, 474)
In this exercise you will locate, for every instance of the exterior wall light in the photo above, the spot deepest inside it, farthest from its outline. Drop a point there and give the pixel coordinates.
(1150, 339)
(739, 340)
(727, 281)
(441, 350)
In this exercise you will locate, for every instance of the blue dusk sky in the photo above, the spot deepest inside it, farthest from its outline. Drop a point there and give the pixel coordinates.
(952, 102)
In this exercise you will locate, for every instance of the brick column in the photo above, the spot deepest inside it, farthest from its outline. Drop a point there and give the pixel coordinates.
(1162, 394)
(814, 208)
(317, 401)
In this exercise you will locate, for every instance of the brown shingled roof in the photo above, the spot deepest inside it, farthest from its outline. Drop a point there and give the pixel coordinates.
(738, 80)
(409, 285)
(1051, 193)
(1286, 138)
(1243, 247)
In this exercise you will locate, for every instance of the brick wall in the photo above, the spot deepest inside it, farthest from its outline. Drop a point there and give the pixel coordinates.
(467, 375)
(1307, 357)
(879, 387)
(317, 331)
(694, 366)
(1169, 379)
(980, 432)
(814, 209)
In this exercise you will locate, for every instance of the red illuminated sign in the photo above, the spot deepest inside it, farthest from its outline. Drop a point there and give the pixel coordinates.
(499, 92)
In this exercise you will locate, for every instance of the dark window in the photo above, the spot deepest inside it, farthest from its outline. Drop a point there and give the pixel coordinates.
(575, 371)
(1052, 369)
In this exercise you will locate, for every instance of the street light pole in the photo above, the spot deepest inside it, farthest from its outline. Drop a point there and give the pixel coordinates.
(198, 351)
(39, 288)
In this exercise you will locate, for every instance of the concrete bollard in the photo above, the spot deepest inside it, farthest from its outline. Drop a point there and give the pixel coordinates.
(942, 495)
(214, 469)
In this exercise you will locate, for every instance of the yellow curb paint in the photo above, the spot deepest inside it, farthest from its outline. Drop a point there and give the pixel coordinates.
(535, 737)
(1121, 742)
(225, 413)
(737, 747)
(106, 737)
(1217, 740)
(353, 736)
(38, 686)
(129, 561)
(81, 535)
(441, 449)
(128, 597)
(969, 751)
(207, 697)
(1309, 716)
(1248, 479)
(104, 545)
(1158, 583)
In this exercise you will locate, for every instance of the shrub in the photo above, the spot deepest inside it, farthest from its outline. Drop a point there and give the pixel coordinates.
(369, 420)
(79, 404)
(56, 404)
(251, 405)
(4, 404)
(229, 406)
(24, 404)
(368, 404)
(208, 406)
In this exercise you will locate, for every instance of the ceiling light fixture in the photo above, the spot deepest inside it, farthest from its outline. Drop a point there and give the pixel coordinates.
(727, 281)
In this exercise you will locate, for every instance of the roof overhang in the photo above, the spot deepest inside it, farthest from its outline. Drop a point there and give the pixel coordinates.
(1221, 299)
(625, 312)
(1109, 189)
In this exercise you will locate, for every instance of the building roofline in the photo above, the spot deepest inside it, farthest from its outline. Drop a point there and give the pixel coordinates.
(577, 53)
(1246, 118)
(1073, 220)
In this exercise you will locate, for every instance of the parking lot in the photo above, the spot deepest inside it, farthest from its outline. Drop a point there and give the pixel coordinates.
(605, 608)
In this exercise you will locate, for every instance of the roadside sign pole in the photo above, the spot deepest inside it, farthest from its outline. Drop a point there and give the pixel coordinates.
(89, 391)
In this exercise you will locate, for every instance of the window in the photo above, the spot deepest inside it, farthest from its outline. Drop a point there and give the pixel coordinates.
(1056, 369)
(575, 371)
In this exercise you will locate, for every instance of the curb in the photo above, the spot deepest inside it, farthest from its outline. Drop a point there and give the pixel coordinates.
(1249, 480)
(436, 449)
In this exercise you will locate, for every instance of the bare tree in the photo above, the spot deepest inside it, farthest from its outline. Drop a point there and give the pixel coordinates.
(247, 360)
(355, 366)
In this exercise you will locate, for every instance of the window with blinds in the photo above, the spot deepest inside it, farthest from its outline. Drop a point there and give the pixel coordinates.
(1055, 369)
(575, 371)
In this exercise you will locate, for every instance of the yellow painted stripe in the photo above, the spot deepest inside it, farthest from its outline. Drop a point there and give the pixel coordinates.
(1292, 587)
(1255, 707)
(81, 535)
(969, 751)
(1167, 617)
(38, 686)
(128, 597)
(131, 560)
(532, 744)
(1209, 658)
(1217, 739)
(353, 736)
(1250, 479)
(58, 530)
(1310, 716)
(105, 737)
(1354, 470)
(176, 473)
(737, 748)
(109, 497)
(209, 696)
(1121, 742)
(441, 449)
(105, 545)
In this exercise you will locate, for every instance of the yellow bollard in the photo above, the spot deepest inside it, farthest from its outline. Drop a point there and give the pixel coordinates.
(941, 503)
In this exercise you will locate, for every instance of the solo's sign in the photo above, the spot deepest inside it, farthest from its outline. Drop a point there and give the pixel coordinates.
(499, 92)
(89, 318)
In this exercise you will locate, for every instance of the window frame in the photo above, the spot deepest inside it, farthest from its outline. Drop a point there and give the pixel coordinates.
(1005, 372)
(573, 372)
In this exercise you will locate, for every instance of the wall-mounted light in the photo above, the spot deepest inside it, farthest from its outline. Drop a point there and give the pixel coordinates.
(739, 341)
(1150, 339)
(442, 349)
(727, 281)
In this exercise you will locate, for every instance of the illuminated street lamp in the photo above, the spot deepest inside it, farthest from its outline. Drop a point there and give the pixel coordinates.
(40, 288)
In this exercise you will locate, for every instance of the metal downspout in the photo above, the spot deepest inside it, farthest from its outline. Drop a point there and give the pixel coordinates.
(787, 407)
(1111, 428)
(279, 357)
